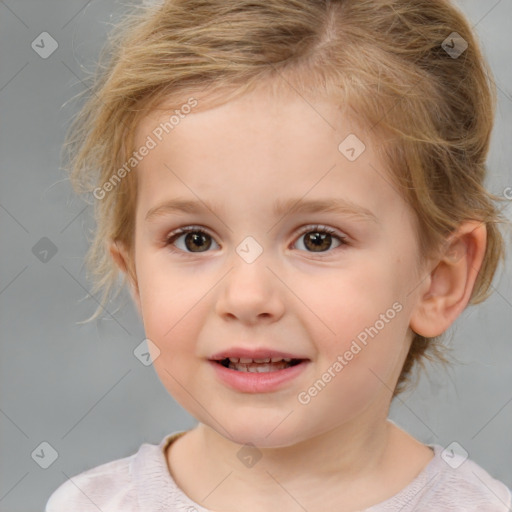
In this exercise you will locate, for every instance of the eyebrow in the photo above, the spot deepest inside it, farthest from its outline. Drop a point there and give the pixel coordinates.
(281, 208)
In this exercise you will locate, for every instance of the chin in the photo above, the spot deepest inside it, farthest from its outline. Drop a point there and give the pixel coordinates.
(263, 431)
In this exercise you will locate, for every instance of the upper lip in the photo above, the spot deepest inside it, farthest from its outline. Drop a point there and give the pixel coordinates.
(261, 353)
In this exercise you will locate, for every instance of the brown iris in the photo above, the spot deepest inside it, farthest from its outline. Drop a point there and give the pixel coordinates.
(199, 241)
(317, 241)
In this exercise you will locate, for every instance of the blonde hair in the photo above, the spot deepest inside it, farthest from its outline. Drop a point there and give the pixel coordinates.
(384, 58)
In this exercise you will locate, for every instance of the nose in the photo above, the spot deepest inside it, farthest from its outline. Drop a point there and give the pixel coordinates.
(251, 293)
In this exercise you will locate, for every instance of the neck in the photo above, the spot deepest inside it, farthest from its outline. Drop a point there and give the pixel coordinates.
(347, 468)
(348, 451)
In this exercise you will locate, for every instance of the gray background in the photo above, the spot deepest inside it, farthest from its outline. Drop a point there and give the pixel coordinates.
(79, 387)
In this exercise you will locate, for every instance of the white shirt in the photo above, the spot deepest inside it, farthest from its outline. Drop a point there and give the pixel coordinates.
(142, 483)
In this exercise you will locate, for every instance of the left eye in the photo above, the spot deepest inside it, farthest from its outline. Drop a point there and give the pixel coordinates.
(320, 239)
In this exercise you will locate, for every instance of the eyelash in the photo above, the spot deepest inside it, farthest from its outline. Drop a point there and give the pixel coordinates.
(172, 237)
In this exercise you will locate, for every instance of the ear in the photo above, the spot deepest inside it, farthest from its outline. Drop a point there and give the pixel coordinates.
(124, 262)
(447, 289)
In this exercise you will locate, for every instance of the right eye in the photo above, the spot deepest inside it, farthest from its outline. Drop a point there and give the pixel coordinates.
(190, 239)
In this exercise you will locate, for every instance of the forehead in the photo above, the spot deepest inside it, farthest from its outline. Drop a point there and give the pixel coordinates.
(302, 145)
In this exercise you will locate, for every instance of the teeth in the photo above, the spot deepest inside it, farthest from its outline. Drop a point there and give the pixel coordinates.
(247, 360)
(259, 368)
(263, 369)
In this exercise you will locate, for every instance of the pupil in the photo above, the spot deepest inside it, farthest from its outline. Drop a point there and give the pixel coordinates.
(197, 241)
(320, 241)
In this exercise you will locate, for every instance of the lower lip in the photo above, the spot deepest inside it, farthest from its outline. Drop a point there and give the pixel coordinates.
(252, 382)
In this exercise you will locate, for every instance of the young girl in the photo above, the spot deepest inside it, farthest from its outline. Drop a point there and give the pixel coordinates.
(294, 192)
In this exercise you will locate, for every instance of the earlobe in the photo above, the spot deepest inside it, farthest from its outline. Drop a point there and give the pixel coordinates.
(119, 255)
(447, 289)
(123, 260)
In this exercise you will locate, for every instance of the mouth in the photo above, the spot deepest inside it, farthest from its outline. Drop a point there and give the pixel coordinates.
(260, 370)
(263, 365)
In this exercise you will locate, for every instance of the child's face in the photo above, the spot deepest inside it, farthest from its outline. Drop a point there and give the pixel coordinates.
(307, 295)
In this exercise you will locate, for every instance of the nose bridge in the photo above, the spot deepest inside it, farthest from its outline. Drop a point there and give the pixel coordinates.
(250, 289)
(249, 275)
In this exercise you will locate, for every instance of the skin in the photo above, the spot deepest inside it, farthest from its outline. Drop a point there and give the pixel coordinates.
(338, 452)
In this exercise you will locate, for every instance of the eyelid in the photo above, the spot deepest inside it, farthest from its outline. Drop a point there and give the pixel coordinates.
(187, 229)
(322, 227)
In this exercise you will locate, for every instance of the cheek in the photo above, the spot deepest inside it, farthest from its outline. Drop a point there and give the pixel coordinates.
(170, 323)
(348, 300)
(173, 324)
(361, 316)
(167, 306)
